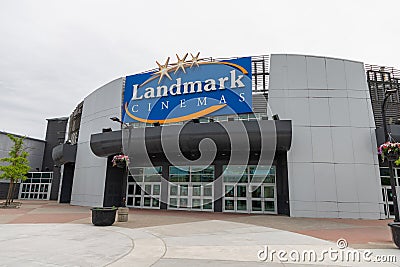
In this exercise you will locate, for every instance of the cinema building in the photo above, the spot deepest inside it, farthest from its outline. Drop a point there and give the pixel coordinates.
(280, 134)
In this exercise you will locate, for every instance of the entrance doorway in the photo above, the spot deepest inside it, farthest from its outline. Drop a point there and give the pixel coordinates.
(144, 187)
(249, 189)
(36, 186)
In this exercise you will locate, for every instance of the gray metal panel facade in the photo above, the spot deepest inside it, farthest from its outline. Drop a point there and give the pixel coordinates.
(333, 164)
(90, 170)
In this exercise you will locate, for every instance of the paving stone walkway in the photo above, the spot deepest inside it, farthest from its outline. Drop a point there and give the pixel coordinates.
(50, 234)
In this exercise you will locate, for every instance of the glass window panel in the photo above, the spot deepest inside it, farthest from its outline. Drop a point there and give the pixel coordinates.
(130, 179)
(203, 170)
(207, 178)
(183, 202)
(29, 175)
(137, 201)
(36, 175)
(257, 179)
(147, 201)
(45, 180)
(156, 189)
(207, 204)
(184, 178)
(243, 179)
(229, 204)
(269, 192)
(270, 179)
(208, 191)
(196, 190)
(183, 190)
(243, 117)
(236, 170)
(384, 171)
(130, 201)
(222, 118)
(137, 178)
(204, 120)
(253, 116)
(174, 178)
(256, 205)
(153, 170)
(196, 203)
(242, 205)
(152, 178)
(173, 190)
(147, 189)
(229, 191)
(36, 180)
(385, 181)
(138, 190)
(261, 170)
(131, 189)
(46, 175)
(269, 205)
(389, 194)
(272, 170)
(196, 178)
(231, 179)
(256, 192)
(173, 202)
(179, 178)
(156, 202)
(241, 191)
(178, 170)
(136, 171)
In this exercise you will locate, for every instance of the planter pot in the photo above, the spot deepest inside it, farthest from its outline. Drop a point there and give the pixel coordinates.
(395, 227)
(123, 214)
(103, 216)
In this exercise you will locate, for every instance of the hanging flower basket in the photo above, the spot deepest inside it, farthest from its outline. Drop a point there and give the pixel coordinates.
(120, 161)
(390, 151)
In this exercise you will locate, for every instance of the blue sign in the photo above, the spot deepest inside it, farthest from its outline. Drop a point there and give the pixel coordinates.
(187, 90)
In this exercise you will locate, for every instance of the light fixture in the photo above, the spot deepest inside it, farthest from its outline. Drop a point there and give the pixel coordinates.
(116, 119)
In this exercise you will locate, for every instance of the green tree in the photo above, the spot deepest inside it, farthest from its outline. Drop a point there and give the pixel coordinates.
(18, 165)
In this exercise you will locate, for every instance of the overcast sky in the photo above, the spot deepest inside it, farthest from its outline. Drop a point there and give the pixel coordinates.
(54, 53)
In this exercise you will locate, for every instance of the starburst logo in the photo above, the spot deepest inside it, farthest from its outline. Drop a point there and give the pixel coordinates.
(163, 70)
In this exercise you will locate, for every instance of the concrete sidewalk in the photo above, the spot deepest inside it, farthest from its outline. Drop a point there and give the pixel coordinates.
(203, 243)
(49, 234)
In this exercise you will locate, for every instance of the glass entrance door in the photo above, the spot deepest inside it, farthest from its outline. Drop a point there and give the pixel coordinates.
(191, 188)
(144, 188)
(249, 189)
